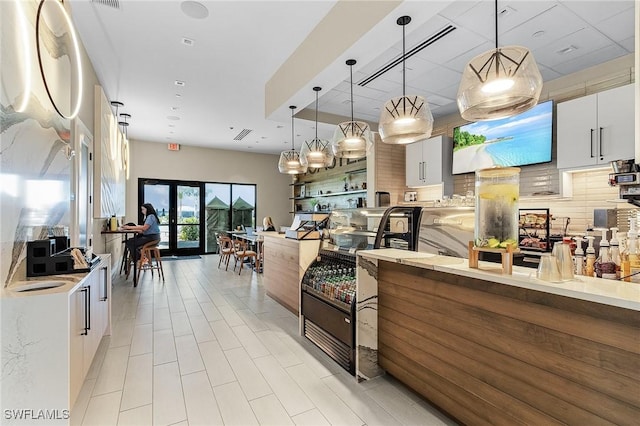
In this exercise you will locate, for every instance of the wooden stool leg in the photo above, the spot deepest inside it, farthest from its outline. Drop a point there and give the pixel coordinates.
(159, 262)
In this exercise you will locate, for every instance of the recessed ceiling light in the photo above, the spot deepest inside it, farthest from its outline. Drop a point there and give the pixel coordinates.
(263, 137)
(538, 34)
(172, 125)
(175, 108)
(194, 10)
(173, 118)
(171, 132)
(567, 49)
(188, 41)
(178, 95)
(250, 147)
(179, 83)
(279, 126)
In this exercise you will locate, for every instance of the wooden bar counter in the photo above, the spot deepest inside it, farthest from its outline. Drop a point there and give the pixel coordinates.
(285, 262)
(489, 348)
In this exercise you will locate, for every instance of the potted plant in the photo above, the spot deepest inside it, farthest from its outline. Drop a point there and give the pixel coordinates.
(314, 205)
(346, 185)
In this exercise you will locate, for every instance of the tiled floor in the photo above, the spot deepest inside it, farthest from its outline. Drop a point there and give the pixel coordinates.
(210, 347)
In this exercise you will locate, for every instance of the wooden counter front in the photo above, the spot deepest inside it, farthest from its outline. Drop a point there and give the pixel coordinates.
(285, 262)
(491, 353)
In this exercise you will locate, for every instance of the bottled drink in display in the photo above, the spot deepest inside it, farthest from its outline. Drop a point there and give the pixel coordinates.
(497, 216)
(630, 263)
(605, 267)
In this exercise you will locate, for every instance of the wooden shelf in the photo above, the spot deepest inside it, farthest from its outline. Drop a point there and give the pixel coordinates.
(353, 172)
(332, 194)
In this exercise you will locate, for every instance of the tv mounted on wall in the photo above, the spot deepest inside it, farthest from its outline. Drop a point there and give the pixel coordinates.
(514, 141)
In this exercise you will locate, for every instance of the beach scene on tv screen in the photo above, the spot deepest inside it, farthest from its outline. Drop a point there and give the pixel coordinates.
(513, 141)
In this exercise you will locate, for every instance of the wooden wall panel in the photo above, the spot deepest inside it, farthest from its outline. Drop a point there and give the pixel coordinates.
(281, 277)
(547, 358)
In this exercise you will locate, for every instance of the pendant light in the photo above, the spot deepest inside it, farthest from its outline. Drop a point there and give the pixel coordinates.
(289, 162)
(316, 153)
(405, 119)
(352, 139)
(500, 83)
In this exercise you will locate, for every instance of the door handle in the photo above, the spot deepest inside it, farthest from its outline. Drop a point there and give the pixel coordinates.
(86, 322)
(424, 171)
(600, 143)
(591, 145)
(88, 308)
(106, 289)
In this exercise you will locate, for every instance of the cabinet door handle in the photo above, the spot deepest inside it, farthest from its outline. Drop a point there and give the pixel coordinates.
(424, 171)
(106, 289)
(86, 321)
(88, 308)
(600, 142)
(420, 170)
(591, 145)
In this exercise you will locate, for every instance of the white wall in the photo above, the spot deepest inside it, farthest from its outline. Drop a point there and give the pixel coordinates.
(154, 160)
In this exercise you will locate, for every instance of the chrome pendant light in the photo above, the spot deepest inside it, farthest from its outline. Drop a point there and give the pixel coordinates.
(316, 153)
(289, 162)
(500, 83)
(405, 119)
(352, 139)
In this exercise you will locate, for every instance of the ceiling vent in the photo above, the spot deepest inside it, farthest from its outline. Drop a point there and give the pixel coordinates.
(110, 3)
(428, 42)
(242, 134)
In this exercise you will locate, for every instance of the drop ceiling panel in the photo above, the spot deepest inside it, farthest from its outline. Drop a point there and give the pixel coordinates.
(453, 45)
(619, 27)
(438, 78)
(585, 41)
(555, 23)
(606, 53)
(597, 11)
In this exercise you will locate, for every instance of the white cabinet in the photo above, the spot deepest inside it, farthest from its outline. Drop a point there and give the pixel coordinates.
(428, 162)
(50, 337)
(596, 129)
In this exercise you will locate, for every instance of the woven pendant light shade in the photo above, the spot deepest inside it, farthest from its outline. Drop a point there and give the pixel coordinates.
(289, 162)
(352, 139)
(500, 83)
(405, 119)
(317, 152)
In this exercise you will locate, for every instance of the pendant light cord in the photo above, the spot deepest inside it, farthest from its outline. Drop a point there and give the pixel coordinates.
(403, 64)
(496, 7)
(292, 108)
(316, 115)
(351, 86)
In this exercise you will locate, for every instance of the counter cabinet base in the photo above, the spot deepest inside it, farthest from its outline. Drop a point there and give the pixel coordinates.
(491, 353)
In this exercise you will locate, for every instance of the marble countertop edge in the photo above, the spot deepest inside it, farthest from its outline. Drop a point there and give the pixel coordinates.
(608, 292)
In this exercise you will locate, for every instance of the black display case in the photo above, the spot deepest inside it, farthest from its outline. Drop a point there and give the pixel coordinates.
(328, 305)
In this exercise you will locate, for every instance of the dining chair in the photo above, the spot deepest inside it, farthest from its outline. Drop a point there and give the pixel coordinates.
(225, 249)
(242, 252)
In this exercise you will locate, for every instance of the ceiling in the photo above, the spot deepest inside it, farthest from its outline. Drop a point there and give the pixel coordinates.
(245, 62)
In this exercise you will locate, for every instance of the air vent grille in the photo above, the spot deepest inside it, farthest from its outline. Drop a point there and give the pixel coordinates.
(110, 3)
(428, 42)
(242, 134)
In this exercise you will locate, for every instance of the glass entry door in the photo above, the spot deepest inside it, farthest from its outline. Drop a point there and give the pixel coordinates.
(179, 205)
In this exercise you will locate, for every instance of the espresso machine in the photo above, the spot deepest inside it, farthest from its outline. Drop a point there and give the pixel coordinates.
(626, 176)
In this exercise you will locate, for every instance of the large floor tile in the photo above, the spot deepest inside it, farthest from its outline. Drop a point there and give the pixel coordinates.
(136, 416)
(138, 383)
(189, 358)
(103, 410)
(142, 340)
(234, 408)
(164, 347)
(202, 407)
(270, 412)
(225, 335)
(248, 375)
(112, 373)
(216, 364)
(168, 400)
(250, 341)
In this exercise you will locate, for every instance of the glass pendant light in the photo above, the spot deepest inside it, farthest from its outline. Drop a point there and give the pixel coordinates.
(289, 162)
(352, 139)
(500, 83)
(316, 153)
(405, 119)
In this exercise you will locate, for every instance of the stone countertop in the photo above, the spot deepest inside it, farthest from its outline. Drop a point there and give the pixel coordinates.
(70, 281)
(607, 292)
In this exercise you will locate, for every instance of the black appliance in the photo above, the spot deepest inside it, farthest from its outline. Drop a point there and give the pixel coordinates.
(383, 199)
(399, 228)
(44, 259)
(328, 306)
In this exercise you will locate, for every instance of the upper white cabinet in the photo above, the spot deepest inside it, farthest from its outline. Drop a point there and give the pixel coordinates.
(428, 162)
(596, 129)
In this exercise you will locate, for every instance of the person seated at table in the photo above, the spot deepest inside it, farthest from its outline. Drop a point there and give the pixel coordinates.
(149, 230)
(267, 223)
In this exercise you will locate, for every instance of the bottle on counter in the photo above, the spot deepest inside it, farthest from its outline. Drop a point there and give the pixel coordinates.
(604, 266)
(615, 250)
(579, 256)
(630, 264)
(113, 223)
(591, 257)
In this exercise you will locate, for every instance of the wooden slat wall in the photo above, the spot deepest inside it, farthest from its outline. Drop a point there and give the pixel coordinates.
(280, 271)
(490, 353)
(390, 170)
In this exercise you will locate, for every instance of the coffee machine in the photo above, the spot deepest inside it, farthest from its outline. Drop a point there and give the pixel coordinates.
(626, 176)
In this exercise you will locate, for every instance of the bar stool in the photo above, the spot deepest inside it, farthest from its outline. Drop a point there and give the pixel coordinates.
(150, 251)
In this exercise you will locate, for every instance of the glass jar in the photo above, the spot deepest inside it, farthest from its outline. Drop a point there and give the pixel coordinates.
(496, 219)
